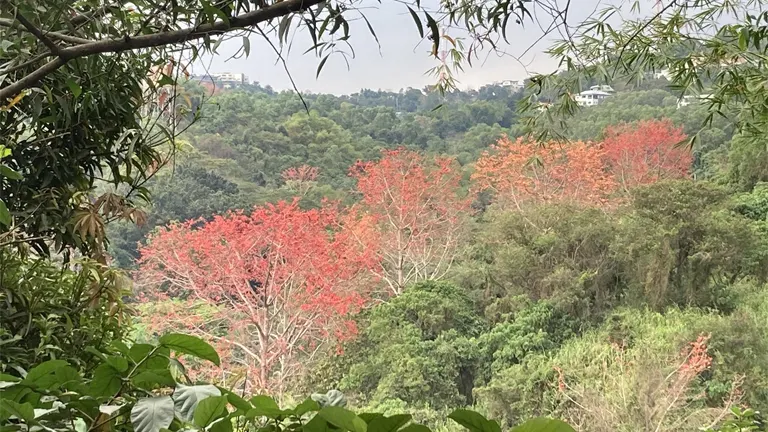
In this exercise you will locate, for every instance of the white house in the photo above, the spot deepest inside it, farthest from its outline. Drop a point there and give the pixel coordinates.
(591, 97)
(514, 85)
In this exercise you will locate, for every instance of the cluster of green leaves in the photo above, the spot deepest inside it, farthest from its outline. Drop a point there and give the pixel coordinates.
(77, 125)
(743, 420)
(130, 390)
(48, 311)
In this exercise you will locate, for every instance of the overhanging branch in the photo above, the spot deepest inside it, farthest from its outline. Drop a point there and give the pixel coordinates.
(156, 40)
(38, 34)
(52, 35)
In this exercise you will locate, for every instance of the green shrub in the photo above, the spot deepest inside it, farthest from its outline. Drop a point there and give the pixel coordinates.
(51, 312)
(143, 389)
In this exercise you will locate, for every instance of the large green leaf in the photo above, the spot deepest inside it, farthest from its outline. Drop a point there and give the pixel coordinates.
(9, 173)
(343, 418)
(223, 424)
(236, 401)
(208, 410)
(388, 424)
(264, 406)
(186, 398)
(106, 381)
(415, 428)
(152, 414)
(5, 215)
(152, 378)
(309, 405)
(158, 360)
(25, 411)
(543, 424)
(42, 375)
(119, 363)
(191, 345)
(316, 424)
(474, 421)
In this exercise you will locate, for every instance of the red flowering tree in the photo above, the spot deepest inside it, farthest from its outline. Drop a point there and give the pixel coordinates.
(280, 284)
(646, 152)
(523, 171)
(413, 208)
(301, 178)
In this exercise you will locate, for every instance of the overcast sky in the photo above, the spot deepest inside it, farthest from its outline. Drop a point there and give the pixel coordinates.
(401, 63)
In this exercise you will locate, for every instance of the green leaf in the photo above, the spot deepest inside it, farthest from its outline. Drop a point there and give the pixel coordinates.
(416, 19)
(9, 173)
(236, 401)
(223, 424)
(106, 381)
(368, 417)
(432, 24)
(186, 399)
(191, 345)
(11, 378)
(308, 405)
(119, 363)
(158, 360)
(5, 215)
(388, 424)
(154, 377)
(543, 424)
(208, 410)
(316, 424)
(474, 421)
(320, 66)
(152, 414)
(246, 46)
(415, 428)
(69, 377)
(343, 419)
(74, 87)
(25, 411)
(40, 375)
(264, 406)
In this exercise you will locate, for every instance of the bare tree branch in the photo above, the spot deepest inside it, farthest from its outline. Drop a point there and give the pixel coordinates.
(155, 40)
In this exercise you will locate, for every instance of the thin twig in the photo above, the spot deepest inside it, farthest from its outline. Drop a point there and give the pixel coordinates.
(285, 67)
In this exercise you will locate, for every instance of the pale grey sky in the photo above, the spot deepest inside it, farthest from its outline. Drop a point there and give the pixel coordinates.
(402, 62)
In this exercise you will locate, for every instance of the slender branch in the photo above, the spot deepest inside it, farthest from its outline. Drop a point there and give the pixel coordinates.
(157, 39)
(55, 49)
(51, 35)
(87, 16)
(31, 79)
(29, 62)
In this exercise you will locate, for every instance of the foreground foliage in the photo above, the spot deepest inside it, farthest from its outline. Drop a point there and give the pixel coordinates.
(130, 390)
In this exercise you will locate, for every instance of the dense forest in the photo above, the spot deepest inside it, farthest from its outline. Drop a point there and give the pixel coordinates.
(615, 279)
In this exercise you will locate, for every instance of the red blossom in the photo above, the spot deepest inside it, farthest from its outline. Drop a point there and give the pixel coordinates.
(274, 279)
(646, 152)
(411, 213)
(524, 171)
